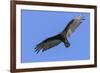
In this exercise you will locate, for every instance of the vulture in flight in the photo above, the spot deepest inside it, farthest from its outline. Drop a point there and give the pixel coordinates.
(61, 37)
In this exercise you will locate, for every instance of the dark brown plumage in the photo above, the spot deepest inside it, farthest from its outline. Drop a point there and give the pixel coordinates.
(61, 37)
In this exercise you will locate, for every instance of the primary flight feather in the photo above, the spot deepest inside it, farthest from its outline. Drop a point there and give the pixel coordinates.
(61, 37)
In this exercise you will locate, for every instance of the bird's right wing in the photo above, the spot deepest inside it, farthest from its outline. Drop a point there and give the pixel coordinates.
(47, 44)
(72, 25)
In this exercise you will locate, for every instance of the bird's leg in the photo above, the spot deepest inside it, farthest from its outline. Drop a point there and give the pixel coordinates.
(67, 44)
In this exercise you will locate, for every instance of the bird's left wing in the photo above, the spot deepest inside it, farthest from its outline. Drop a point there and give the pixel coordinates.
(47, 44)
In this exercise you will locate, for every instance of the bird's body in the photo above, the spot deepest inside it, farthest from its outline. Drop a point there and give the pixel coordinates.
(61, 37)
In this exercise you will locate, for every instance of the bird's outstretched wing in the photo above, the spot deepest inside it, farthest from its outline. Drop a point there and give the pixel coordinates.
(53, 41)
(47, 44)
(72, 25)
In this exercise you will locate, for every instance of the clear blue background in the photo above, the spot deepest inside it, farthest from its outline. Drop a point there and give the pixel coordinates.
(39, 25)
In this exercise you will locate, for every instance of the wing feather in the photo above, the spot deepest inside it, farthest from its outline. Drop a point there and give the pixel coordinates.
(47, 44)
(72, 25)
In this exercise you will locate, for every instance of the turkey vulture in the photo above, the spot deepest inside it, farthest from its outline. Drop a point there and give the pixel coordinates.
(61, 37)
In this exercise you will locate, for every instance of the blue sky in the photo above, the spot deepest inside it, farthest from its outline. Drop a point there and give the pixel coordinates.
(38, 25)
